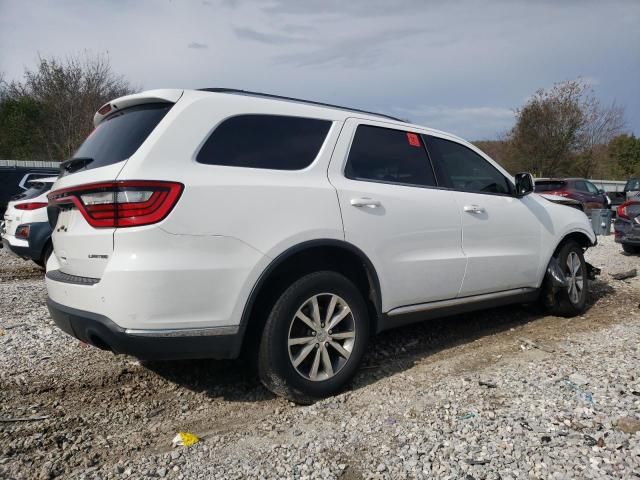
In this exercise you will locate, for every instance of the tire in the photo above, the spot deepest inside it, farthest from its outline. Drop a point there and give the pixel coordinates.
(630, 248)
(571, 301)
(299, 372)
(46, 253)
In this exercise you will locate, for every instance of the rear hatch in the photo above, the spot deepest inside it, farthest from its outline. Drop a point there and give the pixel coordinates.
(81, 204)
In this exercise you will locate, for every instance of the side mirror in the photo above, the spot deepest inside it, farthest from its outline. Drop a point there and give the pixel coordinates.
(524, 184)
(601, 191)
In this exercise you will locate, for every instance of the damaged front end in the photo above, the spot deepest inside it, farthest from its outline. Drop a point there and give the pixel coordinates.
(555, 280)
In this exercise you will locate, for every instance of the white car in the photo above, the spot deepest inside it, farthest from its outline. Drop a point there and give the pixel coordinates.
(26, 231)
(202, 223)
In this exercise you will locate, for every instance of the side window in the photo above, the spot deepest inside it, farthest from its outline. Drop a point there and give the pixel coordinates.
(460, 168)
(592, 188)
(391, 156)
(265, 141)
(581, 186)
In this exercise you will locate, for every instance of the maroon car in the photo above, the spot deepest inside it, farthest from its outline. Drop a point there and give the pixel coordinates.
(578, 189)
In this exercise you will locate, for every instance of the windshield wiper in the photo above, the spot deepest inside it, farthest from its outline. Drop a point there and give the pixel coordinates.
(74, 164)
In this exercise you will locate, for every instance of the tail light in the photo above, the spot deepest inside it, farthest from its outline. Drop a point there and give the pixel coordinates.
(23, 231)
(30, 205)
(622, 209)
(127, 203)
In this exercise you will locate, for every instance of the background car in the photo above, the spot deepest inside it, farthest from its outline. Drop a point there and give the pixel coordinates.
(26, 231)
(16, 175)
(632, 188)
(627, 226)
(576, 188)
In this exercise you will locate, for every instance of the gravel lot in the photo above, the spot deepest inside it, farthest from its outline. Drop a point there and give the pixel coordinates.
(505, 393)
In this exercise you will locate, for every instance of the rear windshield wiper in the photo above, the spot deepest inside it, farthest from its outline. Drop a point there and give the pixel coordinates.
(74, 164)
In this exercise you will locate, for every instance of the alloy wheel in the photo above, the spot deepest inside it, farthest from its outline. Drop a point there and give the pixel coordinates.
(321, 337)
(574, 277)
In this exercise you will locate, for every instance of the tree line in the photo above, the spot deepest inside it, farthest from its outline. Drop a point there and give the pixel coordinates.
(561, 131)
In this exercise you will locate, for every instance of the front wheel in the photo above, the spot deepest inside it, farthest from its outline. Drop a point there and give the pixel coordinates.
(572, 300)
(314, 339)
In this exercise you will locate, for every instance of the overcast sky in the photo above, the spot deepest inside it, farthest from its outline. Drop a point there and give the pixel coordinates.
(459, 66)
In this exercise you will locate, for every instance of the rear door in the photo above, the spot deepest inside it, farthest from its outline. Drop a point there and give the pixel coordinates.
(501, 233)
(394, 212)
(80, 248)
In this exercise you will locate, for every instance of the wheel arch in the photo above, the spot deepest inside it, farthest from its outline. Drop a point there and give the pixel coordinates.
(303, 258)
(578, 236)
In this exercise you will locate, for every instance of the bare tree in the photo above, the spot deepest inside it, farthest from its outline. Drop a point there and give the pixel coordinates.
(601, 125)
(563, 130)
(69, 92)
(546, 132)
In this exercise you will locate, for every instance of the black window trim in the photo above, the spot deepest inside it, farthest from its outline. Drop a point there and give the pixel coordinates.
(400, 128)
(512, 187)
(194, 158)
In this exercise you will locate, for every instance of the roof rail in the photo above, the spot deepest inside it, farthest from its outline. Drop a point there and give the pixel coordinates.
(291, 99)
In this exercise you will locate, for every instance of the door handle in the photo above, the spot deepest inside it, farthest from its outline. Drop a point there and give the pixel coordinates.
(474, 209)
(365, 202)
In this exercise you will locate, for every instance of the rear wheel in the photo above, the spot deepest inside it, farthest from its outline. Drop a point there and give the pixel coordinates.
(630, 248)
(46, 253)
(314, 338)
(572, 300)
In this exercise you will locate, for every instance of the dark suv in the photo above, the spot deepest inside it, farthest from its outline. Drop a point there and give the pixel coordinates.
(632, 188)
(627, 226)
(576, 188)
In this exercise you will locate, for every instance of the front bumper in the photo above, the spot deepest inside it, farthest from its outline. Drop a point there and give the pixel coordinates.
(101, 332)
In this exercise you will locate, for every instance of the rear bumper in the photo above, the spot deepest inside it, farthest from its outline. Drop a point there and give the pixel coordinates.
(627, 232)
(33, 247)
(21, 249)
(101, 332)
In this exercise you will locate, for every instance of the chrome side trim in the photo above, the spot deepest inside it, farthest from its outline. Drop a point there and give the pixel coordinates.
(423, 307)
(184, 332)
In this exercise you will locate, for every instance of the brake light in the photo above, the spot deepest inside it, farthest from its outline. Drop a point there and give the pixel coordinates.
(126, 203)
(22, 231)
(30, 205)
(622, 209)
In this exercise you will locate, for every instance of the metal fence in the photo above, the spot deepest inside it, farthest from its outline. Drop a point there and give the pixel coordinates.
(29, 163)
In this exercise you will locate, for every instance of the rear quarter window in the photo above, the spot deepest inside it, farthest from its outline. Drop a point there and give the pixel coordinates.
(120, 134)
(265, 141)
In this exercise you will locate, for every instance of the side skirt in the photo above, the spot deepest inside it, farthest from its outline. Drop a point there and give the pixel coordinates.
(427, 311)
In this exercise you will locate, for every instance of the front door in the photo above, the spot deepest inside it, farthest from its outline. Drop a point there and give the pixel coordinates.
(501, 233)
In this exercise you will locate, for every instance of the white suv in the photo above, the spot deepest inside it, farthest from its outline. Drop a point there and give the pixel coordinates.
(201, 223)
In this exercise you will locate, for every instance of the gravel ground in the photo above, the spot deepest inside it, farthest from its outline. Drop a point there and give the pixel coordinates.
(505, 393)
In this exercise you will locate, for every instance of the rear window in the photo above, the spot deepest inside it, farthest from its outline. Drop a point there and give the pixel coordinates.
(265, 141)
(121, 134)
(35, 189)
(549, 185)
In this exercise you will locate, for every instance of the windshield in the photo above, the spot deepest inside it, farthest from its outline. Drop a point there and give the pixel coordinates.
(120, 135)
(632, 185)
(549, 185)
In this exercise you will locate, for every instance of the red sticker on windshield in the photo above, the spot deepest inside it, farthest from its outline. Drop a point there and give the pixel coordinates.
(413, 139)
